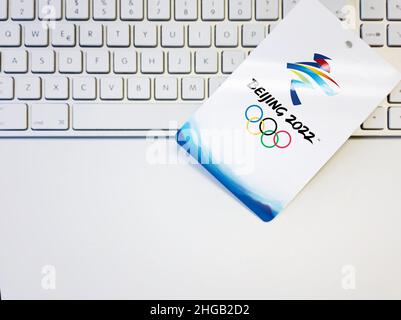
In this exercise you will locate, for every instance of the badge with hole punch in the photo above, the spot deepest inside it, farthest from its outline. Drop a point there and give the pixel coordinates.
(287, 109)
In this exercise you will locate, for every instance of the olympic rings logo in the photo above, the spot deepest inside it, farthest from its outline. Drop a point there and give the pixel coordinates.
(266, 128)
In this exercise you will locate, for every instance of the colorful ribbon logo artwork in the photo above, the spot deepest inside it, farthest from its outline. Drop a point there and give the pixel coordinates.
(317, 71)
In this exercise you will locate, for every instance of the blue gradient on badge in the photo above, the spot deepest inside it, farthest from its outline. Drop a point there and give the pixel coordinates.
(189, 138)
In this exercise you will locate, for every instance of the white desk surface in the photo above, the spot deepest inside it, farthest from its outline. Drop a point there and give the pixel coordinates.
(115, 226)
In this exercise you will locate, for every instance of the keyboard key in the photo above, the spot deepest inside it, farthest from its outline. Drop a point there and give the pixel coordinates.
(152, 61)
(15, 61)
(98, 61)
(10, 34)
(22, 9)
(125, 116)
(186, 10)
(104, 10)
(84, 88)
(63, 35)
(193, 88)
(29, 88)
(394, 118)
(49, 116)
(125, 61)
(145, 35)
(56, 88)
(206, 61)
(111, 88)
(172, 35)
(267, 10)
(239, 10)
(70, 61)
(252, 35)
(226, 35)
(377, 120)
(3, 9)
(6, 88)
(77, 10)
(394, 10)
(213, 10)
(131, 10)
(36, 35)
(158, 10)
(288, 5)
(395, 95)
(215, 83)
(43, 61)
(50, 9)
(199, 35)
(13, 116)
(231, 60)
(374, 34)
(118, 35)
(139, 88)
(91, 35)
(179, 61)
(394, 35)
(166, 88)
(372, 9)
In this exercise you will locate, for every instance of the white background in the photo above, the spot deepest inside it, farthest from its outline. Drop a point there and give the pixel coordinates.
(115, 226)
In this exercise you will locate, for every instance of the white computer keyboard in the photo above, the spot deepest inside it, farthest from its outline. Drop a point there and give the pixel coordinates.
(75, 68)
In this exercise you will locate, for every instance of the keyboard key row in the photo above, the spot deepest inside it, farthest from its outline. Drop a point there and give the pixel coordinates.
(370, 10)
(376, 10)
(55, 116)
(136, 10)
(93, 116)
(122, 61)
(42, 116)
(180, 10)
(383, 118)
(106, 88)
(123, 35)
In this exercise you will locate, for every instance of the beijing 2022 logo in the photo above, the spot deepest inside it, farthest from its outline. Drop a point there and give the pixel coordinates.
(306, 71)
(267, 128)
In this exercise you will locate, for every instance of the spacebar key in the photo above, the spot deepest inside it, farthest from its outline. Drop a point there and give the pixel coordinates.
(126, 116)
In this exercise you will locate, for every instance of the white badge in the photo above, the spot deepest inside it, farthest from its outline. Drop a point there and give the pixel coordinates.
(288, 108)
